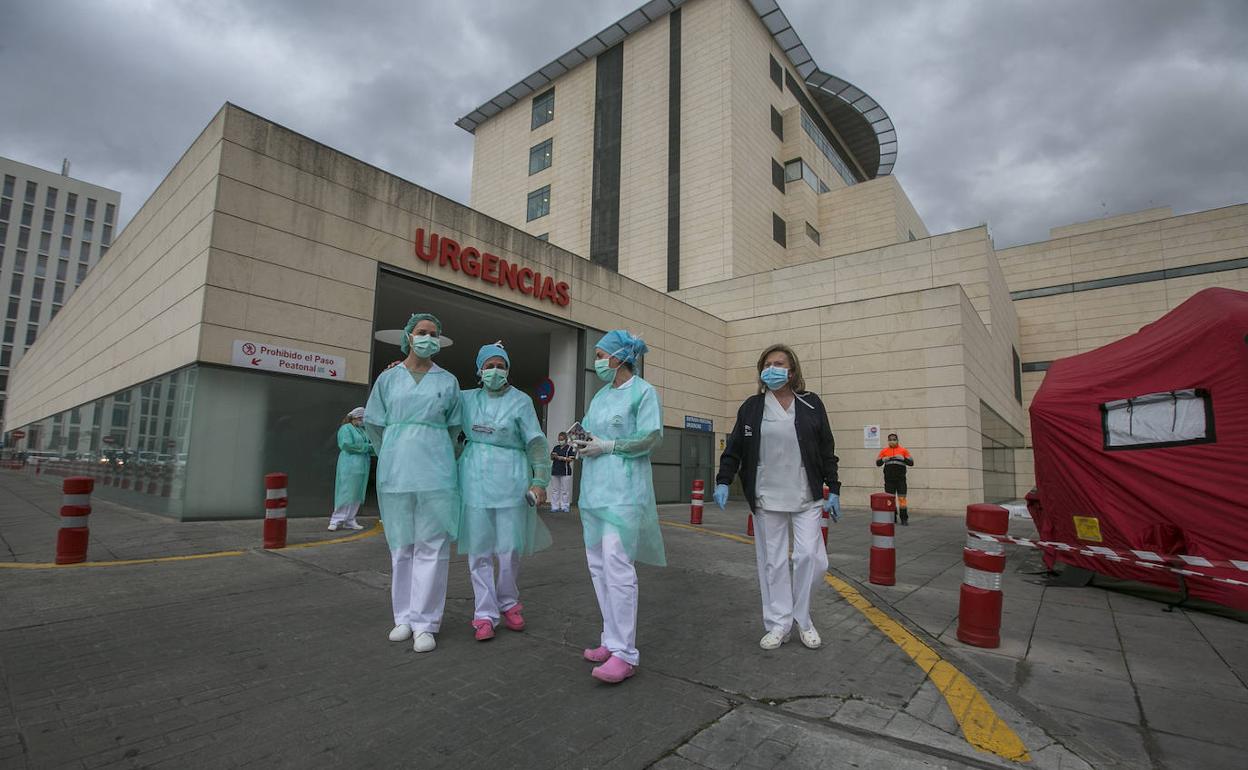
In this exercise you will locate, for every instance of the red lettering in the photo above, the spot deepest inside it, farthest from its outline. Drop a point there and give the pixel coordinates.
(432, 253)
(548, 289)
(489, 268)
(508, 272)
(525, 277)
(561, 294)
(470, 261)
(449, 253)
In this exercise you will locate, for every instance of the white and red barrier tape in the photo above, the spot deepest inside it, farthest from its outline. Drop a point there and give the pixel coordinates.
(1176, 563)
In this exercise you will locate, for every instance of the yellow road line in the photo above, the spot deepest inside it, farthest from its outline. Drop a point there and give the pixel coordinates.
(980, 724)
(374, 530)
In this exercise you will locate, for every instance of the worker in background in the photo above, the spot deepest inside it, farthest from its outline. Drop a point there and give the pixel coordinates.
(895, 458)
(351, 479)
(561, 455)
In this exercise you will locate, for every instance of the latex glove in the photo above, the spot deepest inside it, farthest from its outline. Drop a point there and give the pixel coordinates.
(832, 506)
(595, 446)
(720, 496)
(539, 495)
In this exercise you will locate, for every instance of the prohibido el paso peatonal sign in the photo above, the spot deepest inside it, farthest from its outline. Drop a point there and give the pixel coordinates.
(276, 358)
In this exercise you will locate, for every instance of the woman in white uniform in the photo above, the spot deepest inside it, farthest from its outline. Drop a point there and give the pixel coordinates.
(506, 457)
(783, 449)
(411, 419)
(618, 512)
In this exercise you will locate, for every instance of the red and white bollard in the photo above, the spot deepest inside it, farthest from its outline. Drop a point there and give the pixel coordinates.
(749, 524)
(979, 600)
(275, 510)
(824, 523)
(71, 539)
(695, 504)
(883, 570)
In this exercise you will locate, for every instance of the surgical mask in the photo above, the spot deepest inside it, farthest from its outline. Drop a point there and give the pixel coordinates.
(603, 367)
(494, 379)
(426, 346)
(775, 377)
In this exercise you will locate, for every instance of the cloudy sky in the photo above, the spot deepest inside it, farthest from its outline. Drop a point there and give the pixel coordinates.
(1024, 115)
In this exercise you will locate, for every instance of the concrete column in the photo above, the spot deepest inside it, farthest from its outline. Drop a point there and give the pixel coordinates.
(564, 369)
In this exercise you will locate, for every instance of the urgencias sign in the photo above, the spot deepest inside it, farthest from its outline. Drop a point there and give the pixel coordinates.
(490, 268)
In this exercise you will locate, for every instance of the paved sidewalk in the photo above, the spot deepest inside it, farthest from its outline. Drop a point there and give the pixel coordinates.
(280, 659)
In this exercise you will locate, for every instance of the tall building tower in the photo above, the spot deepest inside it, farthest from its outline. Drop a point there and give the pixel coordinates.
(691, 142)
(52, 230)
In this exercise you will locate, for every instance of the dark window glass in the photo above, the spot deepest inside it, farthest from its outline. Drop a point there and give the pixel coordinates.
(36, 291)
(544, 237)
(30, 192)
(28, 212)
(777, 74)
(6, 208)
(106, 237)
(66, 243)
(62, 269)
(45, 242)
(10, 330)
(543, 108)
(777, 123)
(82, 273)
(71, 203)
(777, 175)
(84, 252)
(68, 227)
(19, 262)
(50, 201)
(110, 211)
(911, 232)
(6, 355)
(540, 156)
(88, 230)
(23, 238)
(58, 292)
(55, 309)
(90, 208)
(4, 232)
(1018, 376)
(15, 289)
(41, 265)
(13, 307)
(812, 233)
(1037, 366)
(539, 203)
(8, 185)
(36, 307)
(778, 231)
(48, 214)
(32, 331)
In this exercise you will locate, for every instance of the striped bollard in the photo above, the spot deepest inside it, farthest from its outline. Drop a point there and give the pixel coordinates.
(695, 504)
(883, 570)
(749, 524)
(823, 523)
(979, 600)
(71, 538)
(275, 510)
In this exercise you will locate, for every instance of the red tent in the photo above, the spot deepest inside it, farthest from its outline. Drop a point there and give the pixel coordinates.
(1143, 445)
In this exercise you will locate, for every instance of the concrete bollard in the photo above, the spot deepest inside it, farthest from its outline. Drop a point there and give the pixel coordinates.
(979, 600)
(883, 562)
(72, 537)
(275, 510)
(695, 503)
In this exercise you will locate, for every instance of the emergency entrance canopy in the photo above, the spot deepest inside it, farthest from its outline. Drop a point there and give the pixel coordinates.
(1143, 445)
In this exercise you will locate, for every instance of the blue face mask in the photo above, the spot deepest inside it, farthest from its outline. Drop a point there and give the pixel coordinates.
(494, 379)
(426, 346)
(775, 377)
(602, 367)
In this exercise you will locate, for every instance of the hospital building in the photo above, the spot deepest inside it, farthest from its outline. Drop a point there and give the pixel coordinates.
(689, 173)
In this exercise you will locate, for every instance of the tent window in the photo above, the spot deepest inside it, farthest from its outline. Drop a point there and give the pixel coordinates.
(1173, 418)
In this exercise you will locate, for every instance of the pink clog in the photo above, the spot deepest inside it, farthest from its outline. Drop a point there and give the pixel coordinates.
(513, 619)
(596, 655)
(613, 671)
(482, 629)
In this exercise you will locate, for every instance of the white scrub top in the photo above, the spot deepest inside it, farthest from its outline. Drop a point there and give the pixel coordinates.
(781, 483)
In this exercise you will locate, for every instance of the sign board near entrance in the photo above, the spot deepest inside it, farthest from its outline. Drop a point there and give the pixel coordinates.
(699, 424)
(490, 268)
(870, 437)
(17, 435)
(546, 391)
(275, 358)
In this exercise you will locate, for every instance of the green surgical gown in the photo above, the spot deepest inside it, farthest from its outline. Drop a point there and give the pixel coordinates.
(410, 424)
(617, 490)
(351, 480)
(506, 454)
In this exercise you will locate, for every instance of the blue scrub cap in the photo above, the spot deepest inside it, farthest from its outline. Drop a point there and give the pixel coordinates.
(406, 343)
(622, 345)
(489, 351)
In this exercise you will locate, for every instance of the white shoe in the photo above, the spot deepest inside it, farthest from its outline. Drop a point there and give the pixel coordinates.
(771, 640)
(810, 638)
(354, 525)
(333, 526)
(424, 642)
(401, 633)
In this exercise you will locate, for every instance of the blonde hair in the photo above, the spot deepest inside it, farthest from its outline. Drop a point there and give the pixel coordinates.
(795, 381)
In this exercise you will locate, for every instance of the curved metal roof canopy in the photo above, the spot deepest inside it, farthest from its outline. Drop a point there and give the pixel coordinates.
(857, 119)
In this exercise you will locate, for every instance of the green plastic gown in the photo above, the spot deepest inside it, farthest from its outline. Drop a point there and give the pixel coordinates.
(351, 480)
(617, 490)
(506, 454)
(410, 421)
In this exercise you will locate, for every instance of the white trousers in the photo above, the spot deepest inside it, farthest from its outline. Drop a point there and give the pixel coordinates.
(418, 584)
(494, 596)
(615, 584)
(560, 492)
(785, 584)
(345, 514)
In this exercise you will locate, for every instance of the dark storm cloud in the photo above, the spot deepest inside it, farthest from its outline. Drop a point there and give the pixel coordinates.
(1023, 115)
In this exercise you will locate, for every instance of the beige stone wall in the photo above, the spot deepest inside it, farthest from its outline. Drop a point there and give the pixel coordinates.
(866, 216)
(137, 313)
(1107, 223)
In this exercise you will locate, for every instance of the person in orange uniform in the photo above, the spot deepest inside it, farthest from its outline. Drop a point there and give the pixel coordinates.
(895, 458)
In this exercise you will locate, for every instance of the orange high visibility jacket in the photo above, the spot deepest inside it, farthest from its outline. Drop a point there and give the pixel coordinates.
(895, 462)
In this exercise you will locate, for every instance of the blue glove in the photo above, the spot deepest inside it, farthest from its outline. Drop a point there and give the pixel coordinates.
(720, 496)
(832, 506)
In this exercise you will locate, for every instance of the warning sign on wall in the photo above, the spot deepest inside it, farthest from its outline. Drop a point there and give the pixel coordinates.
(274, 358)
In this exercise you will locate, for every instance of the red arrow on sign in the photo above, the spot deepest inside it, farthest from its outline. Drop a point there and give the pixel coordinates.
(255, 362)
(333, 372)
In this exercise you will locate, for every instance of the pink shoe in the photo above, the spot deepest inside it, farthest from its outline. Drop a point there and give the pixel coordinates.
(596, 655)
(483, 630)
(613, 671)
(513, 619)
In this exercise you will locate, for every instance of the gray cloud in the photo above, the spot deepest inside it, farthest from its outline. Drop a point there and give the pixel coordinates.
(1022, 115)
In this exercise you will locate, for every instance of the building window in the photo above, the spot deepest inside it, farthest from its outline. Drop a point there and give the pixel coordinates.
(777, 74)
(84, 252)
(55, 309)
(62, 269)
(4, 232)
(778, 232)
(6, 208)
(28, 212)
(10, 329)
(41, 265)
(825, 147)
(106, 237)
(68, 227)
(543, 109)
(14, 305)
(8, 185)
(30, 192)
(1018, 367)
(36, 291)
(90, 208)
(32, 331)
(812, 233)
(48, 214)
(540, 156)
(15, 289)
(544, 237)
(50, 201)
(71, 203)
(798, 169)
(6, 355)
(45, 242)
(23, 238)
(777, 175)
(911, 232)
(539, 203)
(109, 212)
(88, 230)
(66, 243)
(777, 123)
(58, 292)
(19, 262)
(36, 308)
